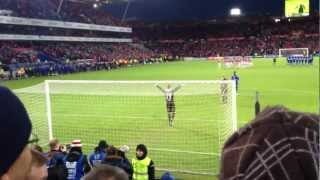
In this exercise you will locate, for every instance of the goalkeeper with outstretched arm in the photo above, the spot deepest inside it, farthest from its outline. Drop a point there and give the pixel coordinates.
(169, 95)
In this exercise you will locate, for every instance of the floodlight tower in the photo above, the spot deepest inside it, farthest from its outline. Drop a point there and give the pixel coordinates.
(235, 11)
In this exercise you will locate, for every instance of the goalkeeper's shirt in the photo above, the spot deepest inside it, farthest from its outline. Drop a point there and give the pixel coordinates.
(169, 94)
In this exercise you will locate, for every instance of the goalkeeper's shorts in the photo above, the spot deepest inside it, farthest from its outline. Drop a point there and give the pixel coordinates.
(171, 107)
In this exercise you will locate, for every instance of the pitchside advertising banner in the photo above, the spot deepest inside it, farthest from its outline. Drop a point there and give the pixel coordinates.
(296, 8)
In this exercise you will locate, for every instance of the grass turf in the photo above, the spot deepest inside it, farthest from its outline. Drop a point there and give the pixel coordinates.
(293, 86)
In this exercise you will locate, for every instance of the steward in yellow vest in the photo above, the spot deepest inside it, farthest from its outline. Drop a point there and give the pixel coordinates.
(143, 166)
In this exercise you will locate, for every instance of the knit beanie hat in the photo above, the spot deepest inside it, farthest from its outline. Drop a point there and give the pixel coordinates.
(76, 143)
(279, 144)
(15, 129)
(167, 176)
(102, 144)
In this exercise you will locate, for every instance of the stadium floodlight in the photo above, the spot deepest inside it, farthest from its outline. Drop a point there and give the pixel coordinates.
(235, 12)
(133, 112)
(95, 5)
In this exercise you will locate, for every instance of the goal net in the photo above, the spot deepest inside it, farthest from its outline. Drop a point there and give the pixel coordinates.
(293, 52)
(135, 112)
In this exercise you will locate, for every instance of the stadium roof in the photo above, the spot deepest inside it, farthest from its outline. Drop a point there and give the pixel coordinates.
(173, 10)
(99, 1)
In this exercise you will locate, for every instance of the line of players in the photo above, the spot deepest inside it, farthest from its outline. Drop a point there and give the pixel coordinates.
(300, 60)
(169, 96)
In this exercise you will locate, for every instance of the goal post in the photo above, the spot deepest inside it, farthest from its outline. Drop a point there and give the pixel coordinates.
(135, 112)
(48, 109)
(286, 52)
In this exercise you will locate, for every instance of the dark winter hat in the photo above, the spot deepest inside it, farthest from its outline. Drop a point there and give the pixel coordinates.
(142, 148)
(102, 144)
(15, 129)
(167, 176)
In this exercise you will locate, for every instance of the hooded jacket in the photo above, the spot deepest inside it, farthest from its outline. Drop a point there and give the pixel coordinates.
(151, 167)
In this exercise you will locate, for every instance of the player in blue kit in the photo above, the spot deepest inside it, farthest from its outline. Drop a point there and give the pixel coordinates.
(236, 78)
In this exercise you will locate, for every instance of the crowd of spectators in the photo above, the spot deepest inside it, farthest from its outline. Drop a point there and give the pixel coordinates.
(11, 51)
(41, 59)
(248, 39)
(20, 59)
(71, 162)
(239, 46)
(242, 27)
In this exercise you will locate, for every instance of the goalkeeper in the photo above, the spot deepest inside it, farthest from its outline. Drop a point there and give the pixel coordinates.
(171, 108)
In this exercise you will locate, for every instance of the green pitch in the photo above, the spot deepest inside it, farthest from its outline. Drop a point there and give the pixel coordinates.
(293, 86)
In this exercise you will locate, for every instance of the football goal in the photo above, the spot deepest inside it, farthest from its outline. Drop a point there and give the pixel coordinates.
(293, 52)
(136, 112)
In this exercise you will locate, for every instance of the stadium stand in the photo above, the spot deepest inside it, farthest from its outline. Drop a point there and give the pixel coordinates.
(249, 39)
(154, 41)
(36, 59)
(70, 11)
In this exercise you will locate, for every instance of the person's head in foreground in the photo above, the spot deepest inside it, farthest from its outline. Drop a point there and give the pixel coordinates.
(38, 166)
(106, 172)
(54, 144)
(279, 144)
(15, 130)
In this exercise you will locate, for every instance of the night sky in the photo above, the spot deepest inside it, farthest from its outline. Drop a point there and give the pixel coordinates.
(173, 10)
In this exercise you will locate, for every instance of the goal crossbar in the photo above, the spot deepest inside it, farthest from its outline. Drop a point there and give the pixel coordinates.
(136, 82)
(304, 51)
